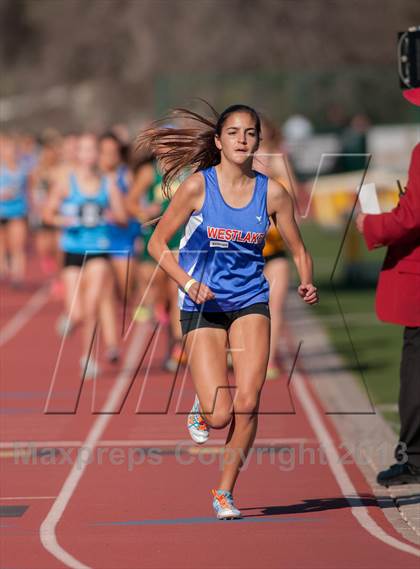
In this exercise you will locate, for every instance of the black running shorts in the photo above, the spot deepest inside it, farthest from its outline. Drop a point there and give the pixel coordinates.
(77, 259)
(191, 320)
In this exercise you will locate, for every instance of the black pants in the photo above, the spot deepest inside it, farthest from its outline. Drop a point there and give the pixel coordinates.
(409, 400)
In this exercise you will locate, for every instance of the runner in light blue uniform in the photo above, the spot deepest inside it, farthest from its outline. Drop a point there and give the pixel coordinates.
(122, 237)
(89, 234)
(79, 204)
(13, 212)
(222, 248)
(13, 187)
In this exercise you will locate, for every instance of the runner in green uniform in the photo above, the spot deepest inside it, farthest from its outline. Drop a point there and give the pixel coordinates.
(154, 195)
(158, 293)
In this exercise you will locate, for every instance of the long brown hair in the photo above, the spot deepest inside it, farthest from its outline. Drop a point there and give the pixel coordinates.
(192, 146)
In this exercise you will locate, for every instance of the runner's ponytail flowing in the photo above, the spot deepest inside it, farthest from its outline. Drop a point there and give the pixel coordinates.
(189, 147)
(178, 148)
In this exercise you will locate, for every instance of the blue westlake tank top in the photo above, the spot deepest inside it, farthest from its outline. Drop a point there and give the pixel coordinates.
(13, 185)
(90, 231)
(222, 248)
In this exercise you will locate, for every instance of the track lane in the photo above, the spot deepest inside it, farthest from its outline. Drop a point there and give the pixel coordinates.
(158, 514)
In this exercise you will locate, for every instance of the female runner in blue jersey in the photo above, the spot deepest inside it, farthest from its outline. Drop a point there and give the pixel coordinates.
(13, 212)
(226, 208)
(122, 237)
(121, 241)
(78, 205)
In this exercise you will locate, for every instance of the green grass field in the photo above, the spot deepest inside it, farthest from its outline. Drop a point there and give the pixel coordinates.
(370, 348)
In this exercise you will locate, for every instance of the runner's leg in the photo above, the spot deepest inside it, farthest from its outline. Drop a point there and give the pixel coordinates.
(249, 336)
(17, 232)
(206, 352)
(95, 274)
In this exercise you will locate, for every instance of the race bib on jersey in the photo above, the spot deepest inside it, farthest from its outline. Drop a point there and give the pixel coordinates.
(91, 214)
(70, 210)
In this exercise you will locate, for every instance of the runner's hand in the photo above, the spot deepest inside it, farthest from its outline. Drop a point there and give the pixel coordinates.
(112, 178)
(153, 210)
(360, 221)
(199, 293)
(309, 293)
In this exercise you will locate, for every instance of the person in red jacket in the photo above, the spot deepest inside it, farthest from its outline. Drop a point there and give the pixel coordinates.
(398, 302)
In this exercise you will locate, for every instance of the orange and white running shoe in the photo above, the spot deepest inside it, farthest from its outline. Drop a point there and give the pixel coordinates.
(197, 427)
(223, 505)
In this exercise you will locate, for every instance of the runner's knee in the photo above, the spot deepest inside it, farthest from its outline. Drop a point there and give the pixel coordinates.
(246, 402)
(219, 419)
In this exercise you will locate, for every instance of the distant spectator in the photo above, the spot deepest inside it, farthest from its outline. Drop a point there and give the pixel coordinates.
(353, 144)
(297, 128)
(336, 119)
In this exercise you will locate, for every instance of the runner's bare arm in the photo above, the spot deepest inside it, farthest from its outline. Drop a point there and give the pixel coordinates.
(280, 208)
(142, 181)
(188, 198)
(129, 178)
(57, 194)
(116, 202)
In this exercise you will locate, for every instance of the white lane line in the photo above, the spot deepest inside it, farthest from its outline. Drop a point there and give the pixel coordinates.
(48, 527)
(27, 445)
(27, 498)
(169, 442)
(393, 494)
(38, 444)
(359, 511)
(22, 317)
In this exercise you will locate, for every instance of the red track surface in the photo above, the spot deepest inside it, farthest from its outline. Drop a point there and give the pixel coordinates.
(160, 515)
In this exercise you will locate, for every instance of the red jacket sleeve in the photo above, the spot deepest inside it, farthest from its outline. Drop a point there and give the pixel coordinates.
(403, 222)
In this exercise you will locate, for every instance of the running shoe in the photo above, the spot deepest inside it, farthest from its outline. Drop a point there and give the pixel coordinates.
(113, 355)
(223, 505)
(64, 326)
(197, 427)
(161, 314)
(90, 369)
(57, 290)
(273, 371)
(177, 357)
(143, 314)
(17, 284)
